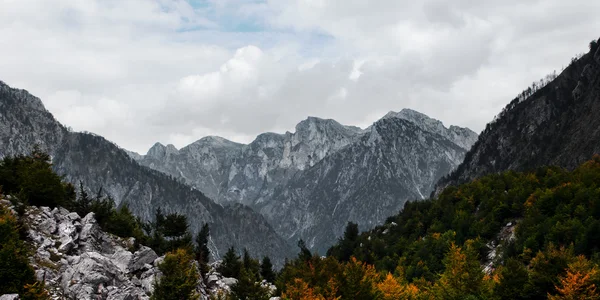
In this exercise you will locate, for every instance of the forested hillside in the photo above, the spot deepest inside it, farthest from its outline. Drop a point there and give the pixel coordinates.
(512, 235)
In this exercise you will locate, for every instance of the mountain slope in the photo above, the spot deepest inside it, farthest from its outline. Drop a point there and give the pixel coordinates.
(557, 125)
(99, 163)
(365, 182)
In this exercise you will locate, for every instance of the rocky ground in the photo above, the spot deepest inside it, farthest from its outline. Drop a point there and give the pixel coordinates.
(77, 260)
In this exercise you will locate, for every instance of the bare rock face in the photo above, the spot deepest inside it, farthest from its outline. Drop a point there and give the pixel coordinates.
(77, 260)
(557, 125)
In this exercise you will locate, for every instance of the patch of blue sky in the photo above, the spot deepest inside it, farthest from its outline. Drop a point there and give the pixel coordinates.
(241, 22)
(229, 16)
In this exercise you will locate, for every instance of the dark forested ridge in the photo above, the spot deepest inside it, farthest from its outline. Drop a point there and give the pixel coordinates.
(24, 122)
(552, 124)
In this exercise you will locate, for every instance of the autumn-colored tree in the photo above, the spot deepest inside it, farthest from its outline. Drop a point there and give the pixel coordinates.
(358, 281)
(180, 277)
(393, 288)
(299, 290)
(35, 291)
(463, 276)
(578, 282)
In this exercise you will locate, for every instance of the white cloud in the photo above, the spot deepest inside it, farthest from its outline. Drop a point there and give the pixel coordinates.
(142, 71)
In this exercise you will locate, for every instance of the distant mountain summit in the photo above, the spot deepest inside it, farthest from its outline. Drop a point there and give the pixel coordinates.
(464, 137)
(310, 183)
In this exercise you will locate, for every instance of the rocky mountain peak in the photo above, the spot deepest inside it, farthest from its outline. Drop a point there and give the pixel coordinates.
(160, 151)
(464, 137)
(215, 141)
(23, 96)
(313, 127)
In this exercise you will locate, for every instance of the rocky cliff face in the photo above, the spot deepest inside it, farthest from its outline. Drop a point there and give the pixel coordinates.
(557, 125)
(77, 260)
(99, 163)
(309, 183)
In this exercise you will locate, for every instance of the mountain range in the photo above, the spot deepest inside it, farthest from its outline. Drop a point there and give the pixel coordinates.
(310, 183)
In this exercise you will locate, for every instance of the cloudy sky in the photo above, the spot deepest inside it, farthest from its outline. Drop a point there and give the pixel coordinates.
(141, 71)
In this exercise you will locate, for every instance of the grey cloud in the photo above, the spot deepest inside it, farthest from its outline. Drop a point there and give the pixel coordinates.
(137, 72)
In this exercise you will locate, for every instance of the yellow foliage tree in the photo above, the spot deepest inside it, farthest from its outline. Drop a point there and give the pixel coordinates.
(392, 288)
(359, 281)
(577, 283)
(463, 276)
(299, 290)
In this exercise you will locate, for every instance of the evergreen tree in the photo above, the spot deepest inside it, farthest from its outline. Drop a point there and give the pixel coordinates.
(231, 265)
(179, 279)
(175, 225)
(513, 278)
(201, 251)
(349, 241)
(247, 288)
(82, 205)
(251, 265)
(31, 179)
(15, 271)
(159, 220)
(266, 270)
(304, 254)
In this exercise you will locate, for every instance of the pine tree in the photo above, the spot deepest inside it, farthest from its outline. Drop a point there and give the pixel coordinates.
(266, 270)
(513, 277)
(201, 251)
(248, 288)
(251, 265)
(15, 271)
(304, 254)
(231, 265)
